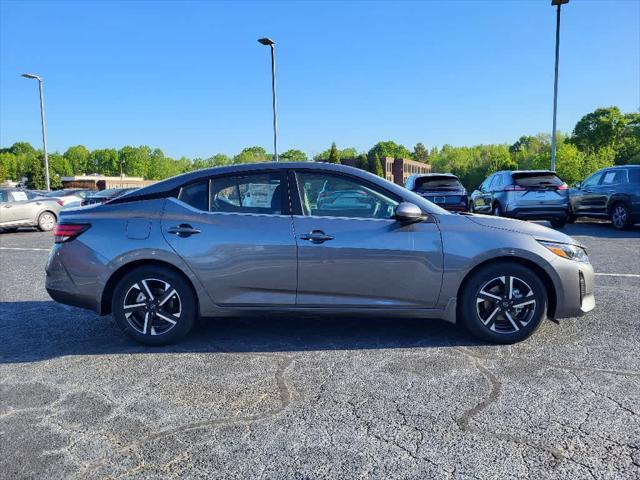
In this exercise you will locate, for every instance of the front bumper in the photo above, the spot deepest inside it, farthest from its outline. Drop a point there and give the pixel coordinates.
(574, 288)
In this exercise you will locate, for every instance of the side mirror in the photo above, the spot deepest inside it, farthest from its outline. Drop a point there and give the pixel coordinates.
(578, 185)
(408, 212)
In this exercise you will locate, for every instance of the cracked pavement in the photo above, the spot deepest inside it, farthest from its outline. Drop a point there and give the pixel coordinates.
(310, 397)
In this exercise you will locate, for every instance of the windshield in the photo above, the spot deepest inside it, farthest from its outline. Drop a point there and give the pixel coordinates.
(438, 183)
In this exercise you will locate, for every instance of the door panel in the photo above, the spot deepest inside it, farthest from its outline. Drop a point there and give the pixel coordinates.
(18, 210)
(368, 263)
(240, 258)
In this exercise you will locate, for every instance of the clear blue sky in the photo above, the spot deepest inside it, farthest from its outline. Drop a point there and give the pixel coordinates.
(191, 79)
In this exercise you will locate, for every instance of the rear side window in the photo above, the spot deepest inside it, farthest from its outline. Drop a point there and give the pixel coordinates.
(437, 183)
(614, 177)
(248, 193)
(634, 175)
(196, 195)
(534, 179)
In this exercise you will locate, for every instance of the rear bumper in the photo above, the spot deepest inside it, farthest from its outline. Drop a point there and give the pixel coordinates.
(537, 212)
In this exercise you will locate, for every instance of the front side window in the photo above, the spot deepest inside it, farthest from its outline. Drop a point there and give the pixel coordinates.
(4, 197)
(247, 193)
(485, 185)
(593, 180)
(325, 195)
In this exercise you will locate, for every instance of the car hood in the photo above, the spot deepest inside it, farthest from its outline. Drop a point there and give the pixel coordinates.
(536, 230)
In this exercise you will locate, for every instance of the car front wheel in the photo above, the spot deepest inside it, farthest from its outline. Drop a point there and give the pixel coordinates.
(558, 222)
(154, 305)
(503, 303)
(620, 218)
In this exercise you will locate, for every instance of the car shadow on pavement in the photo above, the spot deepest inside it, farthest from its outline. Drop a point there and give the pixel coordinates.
(37, 331)
(599, 230)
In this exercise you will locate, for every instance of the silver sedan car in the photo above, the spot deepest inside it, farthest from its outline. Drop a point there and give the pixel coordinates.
(266, 238)
(22, 208)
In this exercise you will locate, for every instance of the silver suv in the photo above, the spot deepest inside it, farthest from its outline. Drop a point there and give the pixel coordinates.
(523, 194)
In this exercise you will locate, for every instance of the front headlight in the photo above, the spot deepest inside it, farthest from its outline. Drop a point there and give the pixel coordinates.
(564, 250)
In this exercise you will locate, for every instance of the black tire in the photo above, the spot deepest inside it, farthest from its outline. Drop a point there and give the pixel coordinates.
(496, 210)
(9, 230)
(619, 216)
(472, 208)
(571, 218)
(479, 315)
(46, 221)
(146, 324)
(558, 222)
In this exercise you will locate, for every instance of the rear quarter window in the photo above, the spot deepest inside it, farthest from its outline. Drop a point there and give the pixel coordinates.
(196, 195)
(634, 175)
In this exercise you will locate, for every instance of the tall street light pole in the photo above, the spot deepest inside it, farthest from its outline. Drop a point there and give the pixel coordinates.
(271, 44)
(557, 3)
(44, 129)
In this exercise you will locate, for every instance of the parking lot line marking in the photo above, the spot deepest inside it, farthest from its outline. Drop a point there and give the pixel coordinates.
(27, 249)
(632, 275)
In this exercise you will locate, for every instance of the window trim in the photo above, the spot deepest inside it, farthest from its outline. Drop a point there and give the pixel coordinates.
(296, 203)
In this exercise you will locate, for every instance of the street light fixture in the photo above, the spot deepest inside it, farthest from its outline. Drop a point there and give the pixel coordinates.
(557, 3)
(271, 44)
(44, 129)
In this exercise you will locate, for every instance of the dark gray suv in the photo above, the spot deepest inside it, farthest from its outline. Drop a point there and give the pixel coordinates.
(612, 193)
(523, 194)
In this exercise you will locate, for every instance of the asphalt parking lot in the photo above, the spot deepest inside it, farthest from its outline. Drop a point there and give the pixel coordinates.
(320, 398)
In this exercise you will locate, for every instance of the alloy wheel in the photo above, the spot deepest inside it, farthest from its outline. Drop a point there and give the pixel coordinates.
(619, 216)
(505, 304)
(152, 306)
(46, 221)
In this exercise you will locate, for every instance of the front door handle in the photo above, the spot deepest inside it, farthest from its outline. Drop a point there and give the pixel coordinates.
(316, 236)
(183, 230)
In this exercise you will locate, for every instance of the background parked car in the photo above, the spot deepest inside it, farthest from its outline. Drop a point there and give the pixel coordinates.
(21, 208)
(612, 193)
(523, 194)
(104, 196)
(70, 197)
(443, 189)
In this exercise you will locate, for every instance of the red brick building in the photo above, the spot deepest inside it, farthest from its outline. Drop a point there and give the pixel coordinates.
(396, 170)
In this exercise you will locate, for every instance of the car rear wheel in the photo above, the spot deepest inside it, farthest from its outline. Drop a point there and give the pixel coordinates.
(154, 305)
(46, 221)
(620, 217)
(503, 303)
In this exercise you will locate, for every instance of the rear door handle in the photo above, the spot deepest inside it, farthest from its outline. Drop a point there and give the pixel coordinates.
(316, 236)
(183, 230)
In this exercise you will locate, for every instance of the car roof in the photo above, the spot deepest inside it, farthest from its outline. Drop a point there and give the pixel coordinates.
(434, 175)
(174, 182)
(617, 167)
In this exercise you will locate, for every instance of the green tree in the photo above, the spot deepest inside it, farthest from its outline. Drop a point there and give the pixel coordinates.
(294, 156)
(604, 127)
(346, 153)
(362, 162)
(389, 149)
(35, 174)
(420, 153)
(77, 157)
(252, 155)
(334, 154)
(375, 165)
(104, 161)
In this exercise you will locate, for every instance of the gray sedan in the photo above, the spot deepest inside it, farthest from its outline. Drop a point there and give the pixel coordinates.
(258, 238)
(21, 208)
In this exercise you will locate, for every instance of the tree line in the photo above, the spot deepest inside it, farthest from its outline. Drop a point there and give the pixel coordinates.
(601, 138)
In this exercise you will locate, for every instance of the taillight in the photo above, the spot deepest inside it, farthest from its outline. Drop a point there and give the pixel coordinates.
(514, 188)
(65, 232)
(564, 186)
